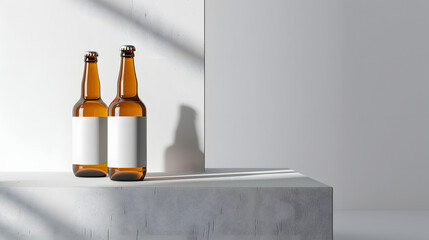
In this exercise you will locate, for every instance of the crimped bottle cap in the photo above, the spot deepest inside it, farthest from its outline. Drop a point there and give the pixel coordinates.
(128, 48)
(91, 54)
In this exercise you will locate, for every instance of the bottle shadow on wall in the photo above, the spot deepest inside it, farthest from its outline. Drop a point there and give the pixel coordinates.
(185, 154)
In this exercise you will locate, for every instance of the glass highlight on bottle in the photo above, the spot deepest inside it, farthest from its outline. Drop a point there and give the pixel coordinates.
(127, 125)
(89, 125)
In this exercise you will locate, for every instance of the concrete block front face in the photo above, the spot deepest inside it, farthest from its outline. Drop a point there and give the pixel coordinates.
(155, 210)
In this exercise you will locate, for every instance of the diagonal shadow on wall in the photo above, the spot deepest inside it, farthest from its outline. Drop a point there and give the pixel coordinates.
(191, 54)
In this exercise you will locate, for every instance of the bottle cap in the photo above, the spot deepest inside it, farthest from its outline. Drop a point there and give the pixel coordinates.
(91, 54)
(128, 48)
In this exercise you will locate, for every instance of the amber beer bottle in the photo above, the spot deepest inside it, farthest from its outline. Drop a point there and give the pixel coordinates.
(89, 125)
(127, 125)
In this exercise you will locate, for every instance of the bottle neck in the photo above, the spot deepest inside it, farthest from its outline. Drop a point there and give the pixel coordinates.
(127, 82)
(90, 82)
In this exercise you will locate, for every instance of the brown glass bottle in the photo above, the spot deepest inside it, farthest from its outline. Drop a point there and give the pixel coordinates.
(91, 105)
(127, 104)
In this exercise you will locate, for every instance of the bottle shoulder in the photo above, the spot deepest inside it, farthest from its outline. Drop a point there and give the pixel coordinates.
(90, 108)
(132, 107)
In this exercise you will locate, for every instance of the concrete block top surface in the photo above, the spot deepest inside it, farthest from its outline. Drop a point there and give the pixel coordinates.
(212, 177)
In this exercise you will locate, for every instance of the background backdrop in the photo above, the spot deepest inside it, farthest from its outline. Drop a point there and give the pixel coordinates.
(42, 45)
(336, 89)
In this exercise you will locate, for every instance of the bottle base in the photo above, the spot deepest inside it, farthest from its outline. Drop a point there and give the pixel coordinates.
(127, 174)
(99, 170)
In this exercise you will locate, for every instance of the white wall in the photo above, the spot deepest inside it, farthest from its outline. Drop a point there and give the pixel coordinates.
(338, 90)
(335, 89)
(41, 66)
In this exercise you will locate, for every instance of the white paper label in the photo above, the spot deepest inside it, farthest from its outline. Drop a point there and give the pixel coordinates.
(89, 140)
(127, 142)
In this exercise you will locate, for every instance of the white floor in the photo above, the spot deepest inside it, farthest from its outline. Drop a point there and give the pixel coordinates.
(381, 225)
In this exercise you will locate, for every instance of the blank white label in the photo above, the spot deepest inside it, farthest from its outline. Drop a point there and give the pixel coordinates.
(127, 142)
(89, 140)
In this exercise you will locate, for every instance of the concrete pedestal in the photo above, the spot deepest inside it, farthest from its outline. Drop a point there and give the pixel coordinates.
(219, 204)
